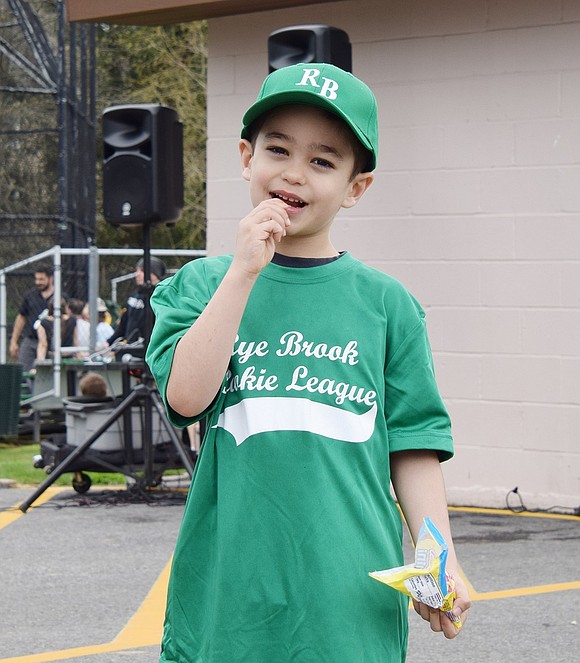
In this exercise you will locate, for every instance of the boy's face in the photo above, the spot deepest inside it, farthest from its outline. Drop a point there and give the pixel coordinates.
(306, 158)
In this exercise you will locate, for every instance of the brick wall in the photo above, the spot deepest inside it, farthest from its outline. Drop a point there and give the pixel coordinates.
(475, 208)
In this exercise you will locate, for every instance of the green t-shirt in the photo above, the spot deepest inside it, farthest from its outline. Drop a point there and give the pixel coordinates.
(290, 504)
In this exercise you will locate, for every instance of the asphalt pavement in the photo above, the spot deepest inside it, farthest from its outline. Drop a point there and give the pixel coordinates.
(83, 579)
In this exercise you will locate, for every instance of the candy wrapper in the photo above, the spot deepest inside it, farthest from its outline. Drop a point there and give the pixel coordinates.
(426, 580)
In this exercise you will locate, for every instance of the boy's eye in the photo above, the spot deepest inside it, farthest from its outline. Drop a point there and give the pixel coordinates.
(323, 163)
(276, 149)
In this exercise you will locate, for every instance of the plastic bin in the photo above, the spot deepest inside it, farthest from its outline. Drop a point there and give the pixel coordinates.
(83, 418)
(10, 388)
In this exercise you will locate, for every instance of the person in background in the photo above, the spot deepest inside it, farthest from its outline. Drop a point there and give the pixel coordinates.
(131, 326)
(44, 327)
(82, 327)
(93, 385)
(24, 340)
(104, 329)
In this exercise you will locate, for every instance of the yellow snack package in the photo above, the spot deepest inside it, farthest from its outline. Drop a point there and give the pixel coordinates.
(426, 580)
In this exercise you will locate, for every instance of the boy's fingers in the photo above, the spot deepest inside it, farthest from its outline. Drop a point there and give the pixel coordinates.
(451, 629)
(438, 620)
(276, 206)
(277, 216)
(422, 610)
(460, 606)
(461, 612)
(271, 229)
(435, 619)
(462, 602)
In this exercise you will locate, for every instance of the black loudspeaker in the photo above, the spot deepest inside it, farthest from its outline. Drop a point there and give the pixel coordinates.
(142, 164)
(309, 43)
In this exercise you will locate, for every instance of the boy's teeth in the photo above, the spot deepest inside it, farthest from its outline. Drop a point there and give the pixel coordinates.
(290, 201)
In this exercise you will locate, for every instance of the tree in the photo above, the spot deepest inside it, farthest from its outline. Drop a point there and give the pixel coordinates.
(165, 65)
(28, 134)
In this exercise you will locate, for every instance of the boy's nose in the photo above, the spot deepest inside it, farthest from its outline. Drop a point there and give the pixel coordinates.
(293, 173)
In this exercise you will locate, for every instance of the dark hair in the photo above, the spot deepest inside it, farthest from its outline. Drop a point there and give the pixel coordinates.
(93, 384)
(44, 269)
(76, 306)
(48, 324)
(63, 307)
(156, 265)
(362, 157)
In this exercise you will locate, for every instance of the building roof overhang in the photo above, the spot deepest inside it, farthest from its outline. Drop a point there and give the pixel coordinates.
(158, 12)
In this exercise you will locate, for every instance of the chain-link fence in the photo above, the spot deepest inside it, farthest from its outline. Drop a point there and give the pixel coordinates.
(47, 136)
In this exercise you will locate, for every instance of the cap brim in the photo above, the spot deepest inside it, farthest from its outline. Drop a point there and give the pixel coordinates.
(308, 99)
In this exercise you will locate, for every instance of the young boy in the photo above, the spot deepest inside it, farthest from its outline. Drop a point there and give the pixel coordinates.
(315, 375)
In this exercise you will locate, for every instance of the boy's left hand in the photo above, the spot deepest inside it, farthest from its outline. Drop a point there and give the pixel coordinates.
(438, 619)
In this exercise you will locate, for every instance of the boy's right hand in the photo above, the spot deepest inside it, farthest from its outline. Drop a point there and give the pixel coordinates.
(258, 234)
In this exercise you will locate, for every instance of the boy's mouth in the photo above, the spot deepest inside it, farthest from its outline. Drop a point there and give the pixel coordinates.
(289, 200)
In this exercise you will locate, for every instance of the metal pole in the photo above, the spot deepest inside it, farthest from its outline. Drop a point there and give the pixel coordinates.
(93, 294)
(63, 146)
(57, 298)
(148, 410)
(3, 325)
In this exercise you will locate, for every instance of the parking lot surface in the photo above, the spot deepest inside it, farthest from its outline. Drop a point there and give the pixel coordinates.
(83, 579)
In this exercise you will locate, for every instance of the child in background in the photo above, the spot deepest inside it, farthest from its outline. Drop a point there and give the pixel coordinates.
(44, 327)
(93, 385)
(82, 329)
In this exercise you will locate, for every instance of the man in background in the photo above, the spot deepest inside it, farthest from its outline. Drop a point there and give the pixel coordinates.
(24, 341)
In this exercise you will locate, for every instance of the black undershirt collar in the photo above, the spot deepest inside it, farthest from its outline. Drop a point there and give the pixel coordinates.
(292, 261)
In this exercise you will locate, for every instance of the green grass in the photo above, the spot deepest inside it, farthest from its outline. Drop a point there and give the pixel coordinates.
(16, 464)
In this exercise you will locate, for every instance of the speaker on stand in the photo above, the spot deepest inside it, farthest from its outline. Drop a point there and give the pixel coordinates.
(142, 165)
(142, 185)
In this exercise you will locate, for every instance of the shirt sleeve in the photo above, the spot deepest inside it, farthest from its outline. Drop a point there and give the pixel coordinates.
(416, 415)
(177, 302)
(119, 330)
(25, 307)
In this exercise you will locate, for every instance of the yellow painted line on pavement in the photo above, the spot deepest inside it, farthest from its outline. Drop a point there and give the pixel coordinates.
(518, 514)
(61, 655)
(146, 625)
(524, 591)
(519, 591)
(144, 629)
(470, 587)
(13, 513)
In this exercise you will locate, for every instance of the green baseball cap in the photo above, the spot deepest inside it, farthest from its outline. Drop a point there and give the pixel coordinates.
(326, 86)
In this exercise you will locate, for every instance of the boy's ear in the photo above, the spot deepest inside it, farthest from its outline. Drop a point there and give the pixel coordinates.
(358, 186)
(246, 157)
